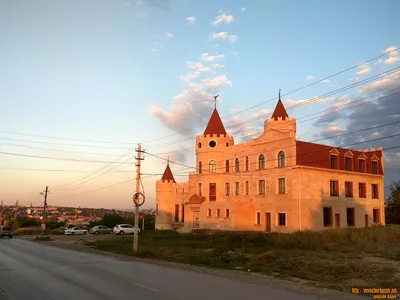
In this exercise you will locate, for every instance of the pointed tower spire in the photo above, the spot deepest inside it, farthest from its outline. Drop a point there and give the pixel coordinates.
(280, 111)
(167, 176)
(215, 125)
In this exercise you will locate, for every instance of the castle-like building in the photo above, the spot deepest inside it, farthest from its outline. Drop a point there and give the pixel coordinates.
(272, 183)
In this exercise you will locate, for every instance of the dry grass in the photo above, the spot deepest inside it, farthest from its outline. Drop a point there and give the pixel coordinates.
(352, 257)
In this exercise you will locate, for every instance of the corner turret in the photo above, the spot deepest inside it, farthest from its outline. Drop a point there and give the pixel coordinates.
(165, 199)
(280, 119)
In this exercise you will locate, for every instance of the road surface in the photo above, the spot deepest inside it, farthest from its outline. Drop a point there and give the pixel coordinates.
(33, 271)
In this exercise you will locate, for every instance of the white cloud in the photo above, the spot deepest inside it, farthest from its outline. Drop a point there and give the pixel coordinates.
(326, 81)
(392, 60)
(309, 77)
(262, 113)
(224, 18)
(355, 79)
(191, 20)
(209, 58)
(387, 82)
(364, 69)
(332, 129)
(392, 51)
(291, 102)
(243, 9)
(217, 66)
(169, 35)
(224, 35)
(197, 66)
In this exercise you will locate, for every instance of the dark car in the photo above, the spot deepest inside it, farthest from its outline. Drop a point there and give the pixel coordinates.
(6, 231)
(100, 229)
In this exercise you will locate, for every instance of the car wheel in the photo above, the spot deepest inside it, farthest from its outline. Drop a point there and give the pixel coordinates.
(73, 233)
(121, 233)
(111, 232)
(85, 232)
(96, 233)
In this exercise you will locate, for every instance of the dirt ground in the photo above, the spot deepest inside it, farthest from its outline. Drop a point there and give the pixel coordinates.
(77, 242)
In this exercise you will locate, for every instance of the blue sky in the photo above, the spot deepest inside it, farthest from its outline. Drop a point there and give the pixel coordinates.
(109, 71)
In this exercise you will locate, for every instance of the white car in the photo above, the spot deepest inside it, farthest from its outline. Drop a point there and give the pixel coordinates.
(121, 229)
(75, 230)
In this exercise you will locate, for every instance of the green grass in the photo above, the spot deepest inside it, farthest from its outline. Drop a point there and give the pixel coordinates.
(340, 259)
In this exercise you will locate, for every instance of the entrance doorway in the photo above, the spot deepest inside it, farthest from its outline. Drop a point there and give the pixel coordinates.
(196, 219)
(268, 222)
(337, 220)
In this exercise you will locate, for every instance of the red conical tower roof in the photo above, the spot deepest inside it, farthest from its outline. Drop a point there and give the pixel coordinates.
(280, 111)
(215, 125)
(168, 174)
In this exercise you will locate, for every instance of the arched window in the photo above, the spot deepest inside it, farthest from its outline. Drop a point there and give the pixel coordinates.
(227, 166)
(212, 166)
(200, 167)
(261, 161)
(247, 163)
(281, 159)
(237, 165)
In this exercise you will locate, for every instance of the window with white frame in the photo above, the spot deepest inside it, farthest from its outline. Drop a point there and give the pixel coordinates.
(261, 187)
(281, 185)
(227, 188)
(237, 188)
(261, 161)
(237, 165)
(281, 219)
(212, 166)
(281, 159)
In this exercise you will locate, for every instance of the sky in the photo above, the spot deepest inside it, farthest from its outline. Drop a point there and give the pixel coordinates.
(83, 82)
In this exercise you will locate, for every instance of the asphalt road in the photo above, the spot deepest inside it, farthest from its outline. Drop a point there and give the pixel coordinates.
(34, 271)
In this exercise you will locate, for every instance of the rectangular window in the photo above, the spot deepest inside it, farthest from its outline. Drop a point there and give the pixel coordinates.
(183, 213)
(261, 187)
(327, 216)
(282, 186)
(258, 218)
(176, 212)
(218, 213)
(374, 191)
(361, 165)
(348, 163)
(227, 188)
(348, 189)
(200, 189)
(334, 161)
(227, 213)
(362, 191)
(213, 192)
(247, 187)
(350, 216)
(281, 219)
(374, 167)
(209, 212)
(376, 215)
(334, 188)
(237, 188)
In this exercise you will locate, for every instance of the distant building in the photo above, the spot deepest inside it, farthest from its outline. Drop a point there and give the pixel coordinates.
(272, 183)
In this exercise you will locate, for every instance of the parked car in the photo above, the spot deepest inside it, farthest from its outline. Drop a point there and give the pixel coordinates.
(121, 229)
(6, 231)
(100, 229)
(75, 230)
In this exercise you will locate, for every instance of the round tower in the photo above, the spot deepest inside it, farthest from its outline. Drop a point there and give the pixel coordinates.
(212, 145)
(165, 197)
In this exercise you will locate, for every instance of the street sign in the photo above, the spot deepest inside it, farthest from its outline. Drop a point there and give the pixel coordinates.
(138, 199)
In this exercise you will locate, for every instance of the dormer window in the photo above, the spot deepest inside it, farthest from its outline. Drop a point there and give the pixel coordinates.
(361, 165)
(261, 161)
(374, 167)
(281, 159)
(348, 163)
(237, 165)
(334, 161)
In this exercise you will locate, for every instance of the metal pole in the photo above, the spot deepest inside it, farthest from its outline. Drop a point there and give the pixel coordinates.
(136, 234)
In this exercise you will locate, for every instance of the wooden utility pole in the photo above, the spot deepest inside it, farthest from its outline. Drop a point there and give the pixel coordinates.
(136, 234)
(44, 193)
(1, 213)
(15, 215)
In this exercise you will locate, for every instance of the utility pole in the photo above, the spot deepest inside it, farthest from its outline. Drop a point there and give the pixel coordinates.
(1, 213)
(137, 199)
(44, 193)
(15, 215)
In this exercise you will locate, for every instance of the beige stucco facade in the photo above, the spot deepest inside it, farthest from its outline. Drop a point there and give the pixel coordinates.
(281, 192)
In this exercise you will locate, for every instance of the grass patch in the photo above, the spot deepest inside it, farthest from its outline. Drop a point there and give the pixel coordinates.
(341, 259)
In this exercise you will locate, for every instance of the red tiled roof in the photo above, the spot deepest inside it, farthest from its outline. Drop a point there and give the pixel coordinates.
(215, 125)
(168, 174)
(279, 111)
(317, 155)
(196, 199)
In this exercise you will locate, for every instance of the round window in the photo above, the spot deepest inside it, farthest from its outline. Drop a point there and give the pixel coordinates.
(212, 144)
(199, 145)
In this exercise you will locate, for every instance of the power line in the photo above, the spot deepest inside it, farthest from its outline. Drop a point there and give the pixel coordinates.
(274, 99)
(54, 170)
(369, 79)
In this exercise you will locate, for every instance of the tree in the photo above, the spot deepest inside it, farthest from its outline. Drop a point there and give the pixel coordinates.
(393, 204)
